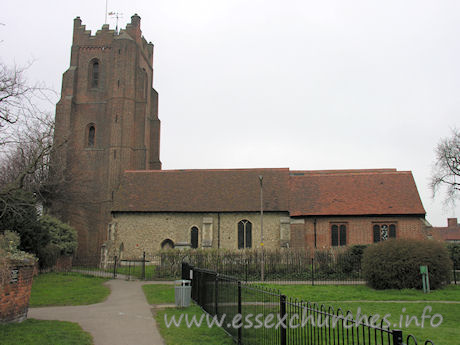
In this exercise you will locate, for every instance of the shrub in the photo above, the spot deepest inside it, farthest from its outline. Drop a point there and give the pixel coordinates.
(395, 264)
(454, 253)
(351, 258)
(61, 235)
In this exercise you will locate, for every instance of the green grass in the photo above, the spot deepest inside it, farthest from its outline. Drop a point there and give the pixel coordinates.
(447, 333)
(38, 332)
(363, 297)
(54, 289)
(190, 336)
(159, 293)
(361, 292)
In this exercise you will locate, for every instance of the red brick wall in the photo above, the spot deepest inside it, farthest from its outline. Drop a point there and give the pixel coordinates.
(359, 230)
(14, 296)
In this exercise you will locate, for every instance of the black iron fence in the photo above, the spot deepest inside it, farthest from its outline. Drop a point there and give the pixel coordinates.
(288, 267)
(264, 316)
(456, 275)
(321, 267)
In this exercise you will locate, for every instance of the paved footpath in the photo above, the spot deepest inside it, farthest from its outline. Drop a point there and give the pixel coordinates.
(125, 318)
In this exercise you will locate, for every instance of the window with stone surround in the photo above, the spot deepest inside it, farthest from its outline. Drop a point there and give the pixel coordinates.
(383, 231)
(338, 234)
(244, 234)
(194, 237)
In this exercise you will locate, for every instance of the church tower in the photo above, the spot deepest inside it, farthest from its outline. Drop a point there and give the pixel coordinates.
(108, 118)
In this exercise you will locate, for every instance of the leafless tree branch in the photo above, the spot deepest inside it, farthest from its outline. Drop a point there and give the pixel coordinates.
(446, 168)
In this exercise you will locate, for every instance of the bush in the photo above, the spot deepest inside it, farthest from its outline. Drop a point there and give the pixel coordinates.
(454, 253)
(61, 235)
(351, 258)
(395, 264)
(48, 255)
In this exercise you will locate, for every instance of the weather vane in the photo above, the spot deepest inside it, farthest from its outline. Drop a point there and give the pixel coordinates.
(117, 16)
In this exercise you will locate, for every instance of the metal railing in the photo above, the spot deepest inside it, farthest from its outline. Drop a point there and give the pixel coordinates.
(302, 323)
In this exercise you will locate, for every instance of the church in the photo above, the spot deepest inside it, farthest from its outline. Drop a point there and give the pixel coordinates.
(120, 200)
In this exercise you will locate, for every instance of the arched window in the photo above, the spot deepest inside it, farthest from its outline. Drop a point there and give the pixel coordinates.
(94, 73)
(194, 237)
(167, 244)
(90, 135)
(244, 234)
(338, 235)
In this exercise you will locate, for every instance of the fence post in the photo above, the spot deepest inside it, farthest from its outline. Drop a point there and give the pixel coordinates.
(115, 266)
(397, 337)
(455, 276)
(184, 271)
(282, 314)
(216, 293)
(239, 311)
(312, 272)
(143, 266)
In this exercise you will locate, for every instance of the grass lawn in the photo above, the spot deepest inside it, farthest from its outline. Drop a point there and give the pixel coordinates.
(162, 293)
(54, 289)
(346, 297)
(193, 335)
(38, 332)
(341, 296)
(159, 293)
(361, 292)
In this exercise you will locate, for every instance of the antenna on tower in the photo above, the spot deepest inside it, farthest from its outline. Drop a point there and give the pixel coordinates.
(105, 21)
(117, 16)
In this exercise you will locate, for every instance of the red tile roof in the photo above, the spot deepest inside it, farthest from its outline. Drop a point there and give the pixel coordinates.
(449, 233)
(235, 190)
(359, 192)
(301, 193)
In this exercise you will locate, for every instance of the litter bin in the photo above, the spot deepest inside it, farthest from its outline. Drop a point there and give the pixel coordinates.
(182, 292)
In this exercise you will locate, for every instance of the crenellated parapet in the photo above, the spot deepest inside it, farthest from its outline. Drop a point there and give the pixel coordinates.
(104, 38)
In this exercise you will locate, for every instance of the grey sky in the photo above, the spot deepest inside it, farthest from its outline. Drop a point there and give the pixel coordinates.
(300, 84)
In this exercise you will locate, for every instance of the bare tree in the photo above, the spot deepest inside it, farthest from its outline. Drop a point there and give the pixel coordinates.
(28, 159)
(446, 168)
(18, 100)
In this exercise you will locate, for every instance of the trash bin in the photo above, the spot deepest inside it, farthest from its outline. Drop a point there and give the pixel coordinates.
(182, 292)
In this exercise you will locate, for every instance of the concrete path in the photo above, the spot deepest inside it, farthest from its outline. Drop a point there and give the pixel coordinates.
(124, 318)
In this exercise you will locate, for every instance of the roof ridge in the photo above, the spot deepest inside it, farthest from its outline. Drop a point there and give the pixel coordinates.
(197, 170)
(299, 174)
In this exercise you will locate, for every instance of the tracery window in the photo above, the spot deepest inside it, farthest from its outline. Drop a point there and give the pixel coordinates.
(244, 234)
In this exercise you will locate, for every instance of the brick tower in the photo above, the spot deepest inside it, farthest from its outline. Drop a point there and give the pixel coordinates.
(108, 117)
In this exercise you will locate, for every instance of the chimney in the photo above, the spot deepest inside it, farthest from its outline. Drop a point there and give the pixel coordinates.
(452, 222)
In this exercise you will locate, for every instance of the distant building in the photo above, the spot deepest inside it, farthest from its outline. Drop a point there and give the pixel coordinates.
(121, 202)
(450, 233)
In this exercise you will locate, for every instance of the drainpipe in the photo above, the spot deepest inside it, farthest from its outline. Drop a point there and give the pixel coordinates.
(314, 230)
(218, 230)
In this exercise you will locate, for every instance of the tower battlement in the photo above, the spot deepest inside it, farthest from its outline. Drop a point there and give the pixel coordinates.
(104, 37)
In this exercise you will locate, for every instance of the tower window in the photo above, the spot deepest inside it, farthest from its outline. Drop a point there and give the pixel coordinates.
(244, 234)
(91, 136)
(94, 74)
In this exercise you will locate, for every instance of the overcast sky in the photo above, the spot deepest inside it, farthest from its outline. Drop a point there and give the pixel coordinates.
(300, 84)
